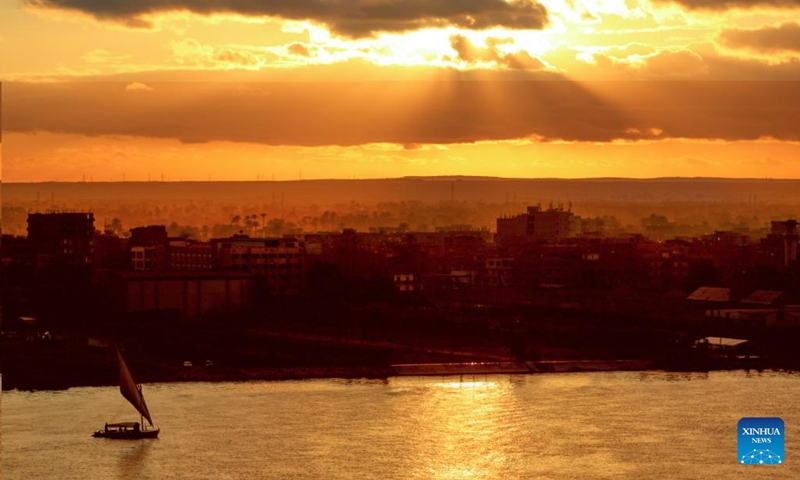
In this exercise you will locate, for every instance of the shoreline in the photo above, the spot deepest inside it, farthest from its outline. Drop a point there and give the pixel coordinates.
(233, 375)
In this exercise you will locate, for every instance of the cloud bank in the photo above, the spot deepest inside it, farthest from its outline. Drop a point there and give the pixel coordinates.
(771, 39)
(406, 113)
(350, 18)
(734, 4)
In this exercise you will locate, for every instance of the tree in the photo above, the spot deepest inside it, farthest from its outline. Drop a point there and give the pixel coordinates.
(275, 226)
(251, 224)
(223, 231)
(263, 224)
(116, 226)
(174, 230)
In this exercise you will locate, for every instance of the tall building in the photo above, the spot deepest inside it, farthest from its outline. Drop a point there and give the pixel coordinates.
(536, 225)
(61, 238)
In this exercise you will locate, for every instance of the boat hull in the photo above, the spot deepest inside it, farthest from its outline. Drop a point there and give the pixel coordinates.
(130, 435)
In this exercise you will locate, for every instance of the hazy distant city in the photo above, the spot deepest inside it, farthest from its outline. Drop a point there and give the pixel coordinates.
(374, 287)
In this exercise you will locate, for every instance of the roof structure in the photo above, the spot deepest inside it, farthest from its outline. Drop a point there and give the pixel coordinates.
(763, 297)
(724, 342)
(711, 294)
(189, 275)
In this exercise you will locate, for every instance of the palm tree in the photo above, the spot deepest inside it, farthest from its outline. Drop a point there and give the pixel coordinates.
(263, 225)
(250, 223)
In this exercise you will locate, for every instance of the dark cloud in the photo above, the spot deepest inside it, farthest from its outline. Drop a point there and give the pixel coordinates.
(732, 4)
(354, 18)
(409, 113)
(785, 37)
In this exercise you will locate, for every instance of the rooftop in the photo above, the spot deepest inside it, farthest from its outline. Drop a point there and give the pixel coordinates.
(723, 341)
(711, 294)
(763, 297)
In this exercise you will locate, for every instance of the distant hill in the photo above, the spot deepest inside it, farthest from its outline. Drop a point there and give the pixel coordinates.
(426, 189)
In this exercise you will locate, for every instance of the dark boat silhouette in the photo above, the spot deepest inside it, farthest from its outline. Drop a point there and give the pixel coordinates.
(133, 394)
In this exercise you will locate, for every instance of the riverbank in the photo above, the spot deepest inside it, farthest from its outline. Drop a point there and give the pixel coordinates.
(59, 365)
(63, 365)
(362, 344)
(44, 374)
(214, 374)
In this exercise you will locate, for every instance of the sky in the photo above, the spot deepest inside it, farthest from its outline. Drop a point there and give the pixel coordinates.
(95, 90)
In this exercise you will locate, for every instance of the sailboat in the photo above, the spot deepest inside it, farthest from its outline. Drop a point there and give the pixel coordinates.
(132, 392)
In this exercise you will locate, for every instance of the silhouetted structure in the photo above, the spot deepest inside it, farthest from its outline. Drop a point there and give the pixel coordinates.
(780, 246)
(536, 225)
(149, 236)
(278, 261)
(187, 255)
(110, 251)
(189, 294)
(149, 247)
(61, 238)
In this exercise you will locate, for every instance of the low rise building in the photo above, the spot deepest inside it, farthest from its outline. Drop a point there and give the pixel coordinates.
(278, 262)
(187, 255)
(189, 294)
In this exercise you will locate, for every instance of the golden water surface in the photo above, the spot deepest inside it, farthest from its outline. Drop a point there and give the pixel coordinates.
(583, 425)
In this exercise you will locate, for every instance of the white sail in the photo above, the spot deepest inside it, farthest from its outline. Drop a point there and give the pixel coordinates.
(130, 390)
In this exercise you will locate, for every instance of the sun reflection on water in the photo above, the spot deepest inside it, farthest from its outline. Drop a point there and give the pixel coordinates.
(457, 427)
(467, 384)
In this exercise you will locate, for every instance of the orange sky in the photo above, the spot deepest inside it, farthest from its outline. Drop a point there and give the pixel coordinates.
(233, 89)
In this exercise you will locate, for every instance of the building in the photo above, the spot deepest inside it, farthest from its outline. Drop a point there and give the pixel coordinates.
(710, 299)
(780, 246)
(145, 258)
(149, 236)
(499, 271)
(149, 247)
(62, 238)
(277, 262)
(549, 265)
(110, 251)
(14, 249)
(188, 294)
(536, 225)
(187, 255)
(405, 282)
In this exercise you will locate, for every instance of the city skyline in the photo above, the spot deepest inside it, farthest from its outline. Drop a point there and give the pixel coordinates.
(310, 90)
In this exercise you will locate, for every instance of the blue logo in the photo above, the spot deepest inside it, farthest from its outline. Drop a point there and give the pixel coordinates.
(761, 441)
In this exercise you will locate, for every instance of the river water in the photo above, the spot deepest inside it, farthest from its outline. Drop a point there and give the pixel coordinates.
(580, 425)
